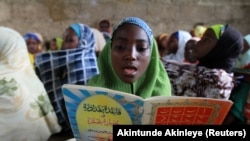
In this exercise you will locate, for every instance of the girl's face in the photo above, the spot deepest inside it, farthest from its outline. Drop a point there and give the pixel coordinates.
(32, 46)
(172, 45)
(188, 50)
(104, 27)
(70, 39)
(205, 45)
(164, 42)
(53, 45)
(130, 52)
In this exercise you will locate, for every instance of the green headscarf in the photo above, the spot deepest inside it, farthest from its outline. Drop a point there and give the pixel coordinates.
(218, 30)
(59, 43)
(153, 82)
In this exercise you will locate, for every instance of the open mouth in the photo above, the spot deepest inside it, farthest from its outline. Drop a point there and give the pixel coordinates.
(129, 70)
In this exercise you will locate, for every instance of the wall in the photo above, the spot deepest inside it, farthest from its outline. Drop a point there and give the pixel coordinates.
(51, 17)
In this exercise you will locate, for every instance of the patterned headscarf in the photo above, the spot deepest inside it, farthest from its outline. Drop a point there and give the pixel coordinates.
(35, 36)
(153, 82)
(226, 50)
(31, 35)
(139, 22)
(26, 112)
(72, 66)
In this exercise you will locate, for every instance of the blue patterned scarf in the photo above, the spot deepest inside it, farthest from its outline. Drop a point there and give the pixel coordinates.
(72, 66)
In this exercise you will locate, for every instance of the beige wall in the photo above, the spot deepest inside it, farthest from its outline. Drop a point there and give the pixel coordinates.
(51, 17)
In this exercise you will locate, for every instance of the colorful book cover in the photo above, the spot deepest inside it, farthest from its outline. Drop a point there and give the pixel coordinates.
(93, 111)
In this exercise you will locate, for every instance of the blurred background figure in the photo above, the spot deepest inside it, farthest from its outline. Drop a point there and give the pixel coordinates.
(176, 44)
(244, 59)
(105, 27)
(162, 42)
(55, 44)
(240, 113)
(34, 43)
(198, 30)
(75, 63)
(99, 41)
(212, 76)
(26, 113)
(188, 50)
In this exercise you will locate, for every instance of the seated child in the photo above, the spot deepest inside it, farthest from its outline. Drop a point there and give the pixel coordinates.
(130, 61)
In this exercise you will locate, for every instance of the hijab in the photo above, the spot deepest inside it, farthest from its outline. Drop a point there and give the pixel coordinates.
(26, 112)
(59, 41)
(38, 38)
(226, 50)
(35, 36)
(99, 40)
(183, 37)
(71, 66)
(153, 82)
(199, 30)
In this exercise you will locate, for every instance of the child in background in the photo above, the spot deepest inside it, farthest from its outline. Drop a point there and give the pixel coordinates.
(162, 42)
(188, 51)
(76, 63)
(34, 44)
(56, 44)
(198, 30)
(105, 27)
(240, 112)
(176, 45)
(212, 77)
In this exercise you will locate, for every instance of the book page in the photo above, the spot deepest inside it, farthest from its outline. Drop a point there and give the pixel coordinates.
(93, 110)
(180, 110)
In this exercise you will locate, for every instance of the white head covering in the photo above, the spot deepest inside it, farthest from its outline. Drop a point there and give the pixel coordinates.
(25, 110)
(183, 37)
(99, 40)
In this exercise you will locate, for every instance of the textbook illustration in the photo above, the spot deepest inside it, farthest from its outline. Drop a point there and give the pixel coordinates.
(93, 110)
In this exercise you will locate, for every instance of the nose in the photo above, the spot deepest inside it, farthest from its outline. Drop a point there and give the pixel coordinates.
(131, 54)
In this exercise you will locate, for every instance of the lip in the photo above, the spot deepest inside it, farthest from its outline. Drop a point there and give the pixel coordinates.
(129, 70)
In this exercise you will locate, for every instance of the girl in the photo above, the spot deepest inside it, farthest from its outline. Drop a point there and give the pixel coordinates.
(176, 45)
(130, 61)
(74, 64)
(26, 112)
(212, 77)
(34, 45)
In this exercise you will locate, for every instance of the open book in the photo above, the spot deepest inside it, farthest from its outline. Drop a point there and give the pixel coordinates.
(93, 110)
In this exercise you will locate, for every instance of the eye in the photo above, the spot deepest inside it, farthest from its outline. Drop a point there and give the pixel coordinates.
(141, 48)
(120, 47)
